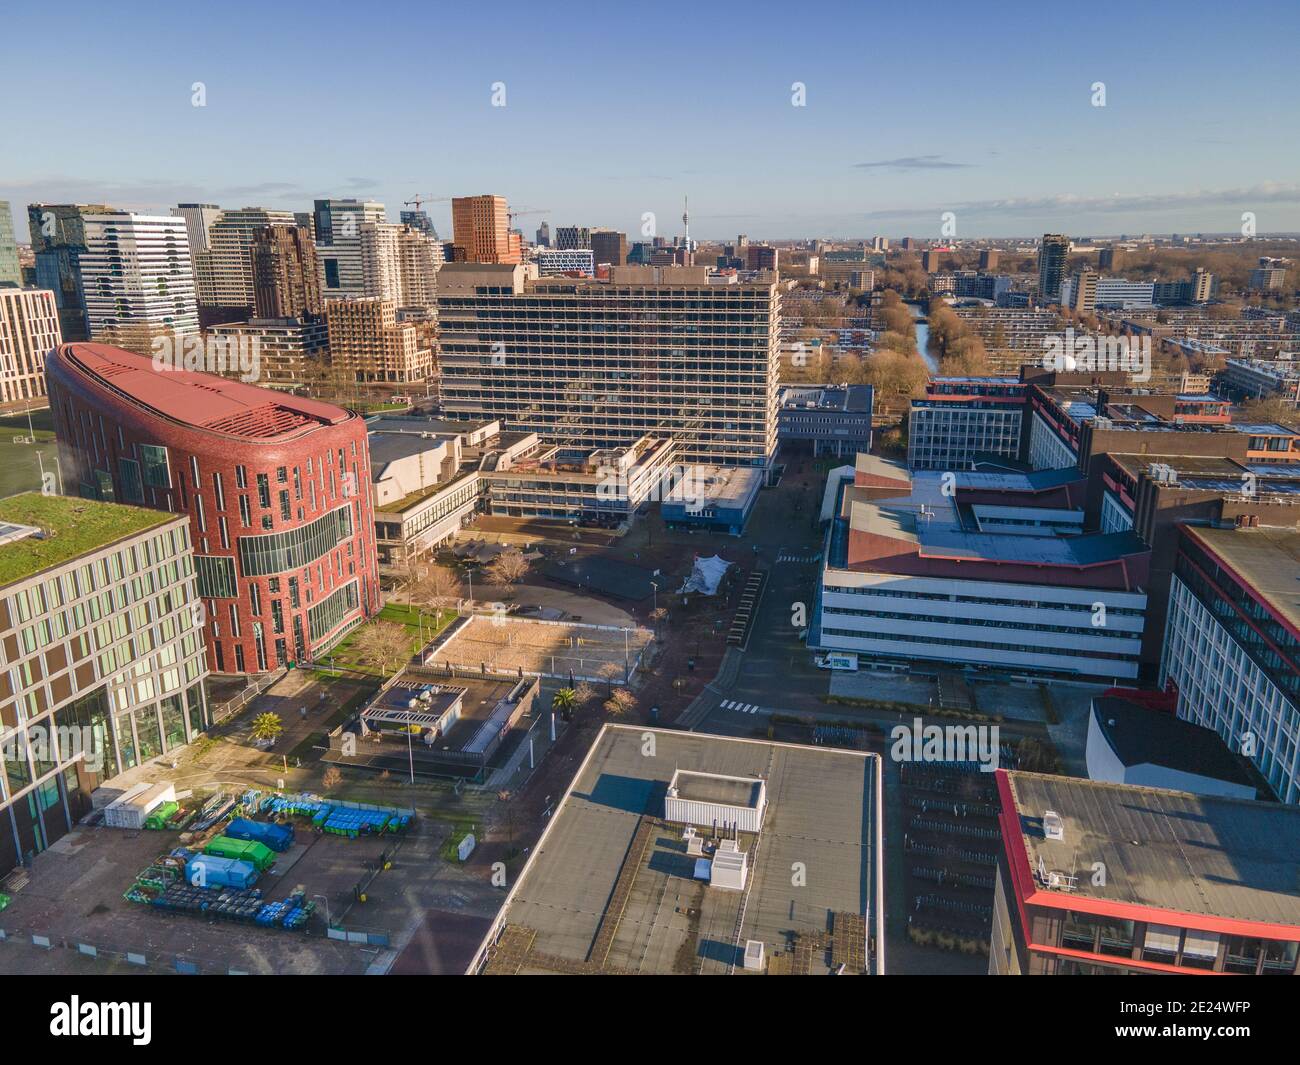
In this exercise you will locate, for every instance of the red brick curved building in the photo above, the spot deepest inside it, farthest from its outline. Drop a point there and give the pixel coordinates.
(276, 487)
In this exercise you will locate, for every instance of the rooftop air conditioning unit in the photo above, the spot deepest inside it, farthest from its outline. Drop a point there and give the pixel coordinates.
(1053, 826)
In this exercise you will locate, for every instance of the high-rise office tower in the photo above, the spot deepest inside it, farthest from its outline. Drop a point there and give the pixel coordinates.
(198, 218)
(1108, 258)
(602, 363)
(368, 344)
(1052, 255)
(138, 280)
(10, 272)
(481, 230)
(286, 275)
(338, 244)
(930, 260)
(230, 253)
(29, 328)
(989, 259)
(608, 246)
(569, 238)
(544, 235)
(420, 220)
(58, 235)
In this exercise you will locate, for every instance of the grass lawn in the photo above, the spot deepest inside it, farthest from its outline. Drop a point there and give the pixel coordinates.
(20, 469)
(435, 620)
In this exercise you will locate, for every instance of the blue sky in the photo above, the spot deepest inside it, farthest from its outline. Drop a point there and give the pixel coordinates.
(616, 109)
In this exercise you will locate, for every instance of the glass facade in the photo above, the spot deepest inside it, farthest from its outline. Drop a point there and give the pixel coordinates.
(261, 556)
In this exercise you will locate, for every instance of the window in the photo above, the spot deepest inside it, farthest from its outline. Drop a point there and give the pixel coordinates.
(153, 463)
(216, 574)
(261, 556)
(132, 487)
(285, 513)
(241, 477)
(326, 615)
(1161, 943)
(263, 490)
(245, 514)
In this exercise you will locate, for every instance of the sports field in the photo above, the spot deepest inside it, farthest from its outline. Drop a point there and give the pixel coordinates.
(507, 645)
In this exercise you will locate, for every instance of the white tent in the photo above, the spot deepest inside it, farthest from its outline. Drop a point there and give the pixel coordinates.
(706, 575)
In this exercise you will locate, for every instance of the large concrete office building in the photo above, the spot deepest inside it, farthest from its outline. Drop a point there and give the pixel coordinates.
(660, 351)
(1232, 643)
(829, 420)
(29, 327)
(101, 656)
(979, 575)
(274, 486)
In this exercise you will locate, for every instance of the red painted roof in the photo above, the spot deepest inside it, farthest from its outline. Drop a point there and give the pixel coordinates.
(202, 400)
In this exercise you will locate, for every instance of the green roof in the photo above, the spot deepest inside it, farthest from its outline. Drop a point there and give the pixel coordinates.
(73, 527)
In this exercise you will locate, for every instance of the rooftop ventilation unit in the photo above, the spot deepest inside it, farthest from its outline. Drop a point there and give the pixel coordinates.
(1053, 826)
(754, 959)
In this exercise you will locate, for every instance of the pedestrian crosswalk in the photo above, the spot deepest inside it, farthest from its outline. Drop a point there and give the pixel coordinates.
(740, 708)
(800, 558)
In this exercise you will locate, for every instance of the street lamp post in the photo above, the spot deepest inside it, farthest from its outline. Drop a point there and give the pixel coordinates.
(328, 922)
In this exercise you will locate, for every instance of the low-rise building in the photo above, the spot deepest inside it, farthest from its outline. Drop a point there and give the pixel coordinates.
(960, 419)
(835, 421)
(665, 834)
(719, 498)
(1131, 744)
(1109, 879)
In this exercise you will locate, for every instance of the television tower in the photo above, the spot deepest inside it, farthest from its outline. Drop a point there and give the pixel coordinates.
(686, 221)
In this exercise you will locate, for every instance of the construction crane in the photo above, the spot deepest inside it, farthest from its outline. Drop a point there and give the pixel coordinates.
(524, 211)
(418, 200)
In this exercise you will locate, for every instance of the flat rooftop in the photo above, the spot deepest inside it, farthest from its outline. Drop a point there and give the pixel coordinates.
(1199, 855)
(709, 787)
(932, 520)
(610, 887)
(1267, 558)
(202, 400)
(72, 527)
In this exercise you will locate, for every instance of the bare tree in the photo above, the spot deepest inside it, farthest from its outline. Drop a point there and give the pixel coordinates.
(508, 568)
(332, 778)
(437, 585)
(620, 703)
(383, 645)
(611, 671)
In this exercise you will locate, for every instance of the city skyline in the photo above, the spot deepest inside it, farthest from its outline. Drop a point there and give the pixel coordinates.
(880, 144)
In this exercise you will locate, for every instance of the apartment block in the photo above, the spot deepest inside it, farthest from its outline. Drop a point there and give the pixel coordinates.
(290, 352)
(660, 351)
(29, 329)
(368, 344)
(286, 273)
